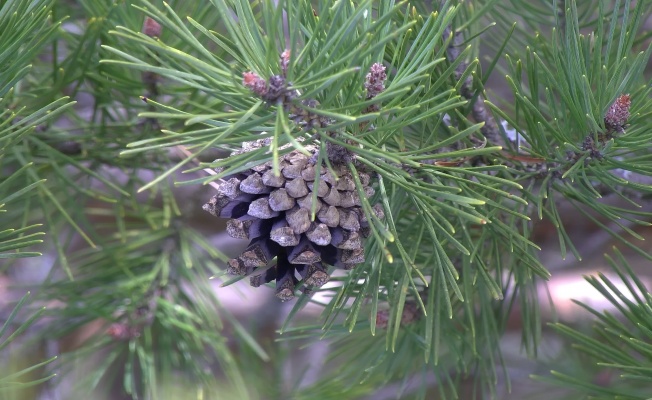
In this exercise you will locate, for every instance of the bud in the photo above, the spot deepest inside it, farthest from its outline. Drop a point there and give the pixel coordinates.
(277, 89)
(375, 80)
(617, 115)
(374, 85)
(255, 83)
(285, 60)
(151, 28)
(120, 331)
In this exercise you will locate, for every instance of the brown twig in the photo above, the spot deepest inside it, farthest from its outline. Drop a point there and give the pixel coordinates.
(479, 111)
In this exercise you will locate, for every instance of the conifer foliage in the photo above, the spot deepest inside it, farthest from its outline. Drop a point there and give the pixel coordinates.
(276, 206)
(355, 150)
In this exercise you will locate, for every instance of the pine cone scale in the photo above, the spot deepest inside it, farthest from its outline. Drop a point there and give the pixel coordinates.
(280, 200)
(271, 180)
(283, 234)
(260, 208)
(319, 234)
(253, 184)
(304, 253)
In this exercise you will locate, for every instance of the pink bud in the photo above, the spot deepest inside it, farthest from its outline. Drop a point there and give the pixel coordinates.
(285, 60)
(375, 80)
(617, 115)
(151, 28)
(255, 83)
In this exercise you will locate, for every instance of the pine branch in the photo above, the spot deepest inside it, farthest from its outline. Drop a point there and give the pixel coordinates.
(12, 381)
(626, 361)
(479, 111)
(352, 145)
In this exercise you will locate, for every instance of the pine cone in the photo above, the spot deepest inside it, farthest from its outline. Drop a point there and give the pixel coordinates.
(273, 212)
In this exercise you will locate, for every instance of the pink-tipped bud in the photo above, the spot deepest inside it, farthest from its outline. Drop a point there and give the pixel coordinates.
(151, 28)
(255, 83)
(121, 331)
(375, 80)
(285, 60)
(617, 115)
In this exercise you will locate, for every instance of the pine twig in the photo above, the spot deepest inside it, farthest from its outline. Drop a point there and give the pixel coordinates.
(479, 111)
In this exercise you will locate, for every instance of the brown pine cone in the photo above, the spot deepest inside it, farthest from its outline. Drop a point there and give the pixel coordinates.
(273, 212)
